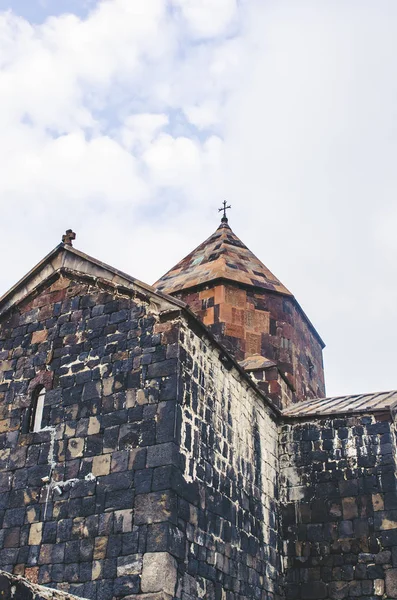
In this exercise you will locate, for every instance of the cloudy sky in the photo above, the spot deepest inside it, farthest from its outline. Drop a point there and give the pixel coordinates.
(131, 120)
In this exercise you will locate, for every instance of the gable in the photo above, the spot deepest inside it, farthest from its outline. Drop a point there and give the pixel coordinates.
(66, 260)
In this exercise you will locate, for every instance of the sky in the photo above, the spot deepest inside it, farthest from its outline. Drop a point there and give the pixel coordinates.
(131, 121)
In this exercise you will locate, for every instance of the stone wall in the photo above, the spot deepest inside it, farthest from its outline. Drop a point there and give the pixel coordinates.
(83, 502)
(154, 475)
(339, 508)
(158, 473)
(229, 448)
(249, 322)
(18, 588)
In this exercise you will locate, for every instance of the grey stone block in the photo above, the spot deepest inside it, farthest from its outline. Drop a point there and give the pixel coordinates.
(159, 573)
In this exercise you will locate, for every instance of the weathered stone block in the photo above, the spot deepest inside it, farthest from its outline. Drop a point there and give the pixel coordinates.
(391, 583)
(155, 507)
(129, 565)
(338, 590)
(349, 507)
(75, 448)
(35, 534)
(162, 454)
(101, 465)
(379, 587)
(94, 426)
(39, 336)
(315, 590)
(159, 573)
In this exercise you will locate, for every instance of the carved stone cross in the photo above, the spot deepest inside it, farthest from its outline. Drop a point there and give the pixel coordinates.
(69, 237)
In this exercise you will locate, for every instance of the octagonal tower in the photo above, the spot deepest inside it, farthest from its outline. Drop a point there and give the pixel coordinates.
(253, 315)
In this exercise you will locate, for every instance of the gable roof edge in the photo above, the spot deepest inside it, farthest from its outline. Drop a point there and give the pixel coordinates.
(65, 256)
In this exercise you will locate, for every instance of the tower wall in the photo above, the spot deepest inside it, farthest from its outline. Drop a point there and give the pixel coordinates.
(229, 448)
(249, 322)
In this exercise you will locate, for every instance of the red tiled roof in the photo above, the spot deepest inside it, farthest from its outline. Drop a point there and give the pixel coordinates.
(222, 256)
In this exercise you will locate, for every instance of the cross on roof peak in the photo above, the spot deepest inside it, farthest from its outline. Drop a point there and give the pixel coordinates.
(224, 209)
(69, 237)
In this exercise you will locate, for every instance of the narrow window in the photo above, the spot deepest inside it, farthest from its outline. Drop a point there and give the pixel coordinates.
(37, 410)
(311, 367)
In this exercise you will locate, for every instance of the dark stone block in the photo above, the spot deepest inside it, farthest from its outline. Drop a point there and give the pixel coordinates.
(119, 500)
(163, 454)
(105, 590)
(315, 590)
(114, 546)
(375, 572)
(148, 433)
(164, 368)
(72, 549)
(124, 586)
(349, 487)
(166, 422)
(169, 388)
(388, 482)
(117, 481)
(129, 436)
(85, 572)
(14, 517)
(158, 537)
(86, 550)
(111, 439)
(5, 587)
(389, 538)
(155, 507)
(114, 418)
(143, 481)
(130, 542)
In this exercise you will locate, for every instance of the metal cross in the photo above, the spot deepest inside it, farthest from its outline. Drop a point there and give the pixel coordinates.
(224, 209)
(69, 237)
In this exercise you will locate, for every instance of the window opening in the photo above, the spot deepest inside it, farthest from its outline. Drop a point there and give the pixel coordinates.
(38, 409)
(311, 367)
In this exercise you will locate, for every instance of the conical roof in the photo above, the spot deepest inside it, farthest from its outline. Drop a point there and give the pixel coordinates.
(222, 256)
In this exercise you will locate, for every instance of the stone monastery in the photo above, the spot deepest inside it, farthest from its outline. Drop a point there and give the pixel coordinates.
(174, 442)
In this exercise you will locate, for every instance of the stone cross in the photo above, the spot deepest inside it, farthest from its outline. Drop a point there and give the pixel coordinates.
(69, 237)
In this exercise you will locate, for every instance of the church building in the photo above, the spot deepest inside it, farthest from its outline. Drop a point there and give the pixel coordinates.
(175, 441)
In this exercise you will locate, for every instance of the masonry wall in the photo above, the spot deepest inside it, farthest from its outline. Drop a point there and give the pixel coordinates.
(339, 508)
(18, 588)
(155, 473)
(84, 503)
(228, 440)
(249, 322)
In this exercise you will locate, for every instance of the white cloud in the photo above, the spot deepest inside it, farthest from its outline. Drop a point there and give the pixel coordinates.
(180, 161)
(206, 18)
(138, 131)
(203, 115)
(133, 124)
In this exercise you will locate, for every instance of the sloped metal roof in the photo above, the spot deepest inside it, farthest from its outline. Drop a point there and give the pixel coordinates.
(359, 403)
(222, 256)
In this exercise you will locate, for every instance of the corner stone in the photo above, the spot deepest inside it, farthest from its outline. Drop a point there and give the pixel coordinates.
(159, 573)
